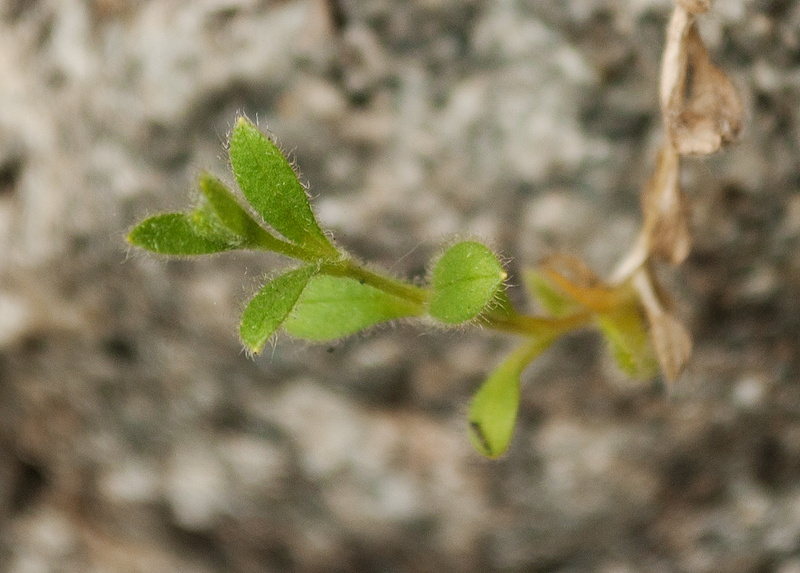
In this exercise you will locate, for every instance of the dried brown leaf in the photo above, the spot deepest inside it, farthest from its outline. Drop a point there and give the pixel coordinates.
(695, 6)
(672, 343)
(666, 210)
(706, 112)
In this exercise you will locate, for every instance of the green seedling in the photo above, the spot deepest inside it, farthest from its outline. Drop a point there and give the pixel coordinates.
(330, 295)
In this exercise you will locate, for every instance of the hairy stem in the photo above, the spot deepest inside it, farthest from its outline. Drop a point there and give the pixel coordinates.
(503, 320)
(348, 268)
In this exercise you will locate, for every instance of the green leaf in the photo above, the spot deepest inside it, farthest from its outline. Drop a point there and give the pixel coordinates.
(271, 305)
(551, 298)
(182, 234)
(230, 213)
(332, 307)
(465, 280)
(626, 331)
(493, 411)
(271, 186)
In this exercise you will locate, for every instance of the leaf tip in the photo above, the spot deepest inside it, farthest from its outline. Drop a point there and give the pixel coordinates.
(242, 121)
(483, 443)
(254, 348)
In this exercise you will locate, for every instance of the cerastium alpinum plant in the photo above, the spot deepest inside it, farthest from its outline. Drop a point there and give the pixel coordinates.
(329, 294)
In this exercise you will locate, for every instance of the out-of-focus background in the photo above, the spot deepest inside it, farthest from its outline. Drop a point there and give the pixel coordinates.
(136, 435)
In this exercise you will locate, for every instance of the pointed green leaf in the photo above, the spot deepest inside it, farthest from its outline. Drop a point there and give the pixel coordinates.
(230, 213)
(271, 186)
(465, 280)
(625, 330)
(182, 234)
(271, 305)
(551, 298)
(332, 307)
(493, 411)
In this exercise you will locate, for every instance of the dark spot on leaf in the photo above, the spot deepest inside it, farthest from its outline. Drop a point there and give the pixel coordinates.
(478, 431)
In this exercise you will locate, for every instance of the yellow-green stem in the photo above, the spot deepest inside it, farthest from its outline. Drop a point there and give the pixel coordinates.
(526, 325)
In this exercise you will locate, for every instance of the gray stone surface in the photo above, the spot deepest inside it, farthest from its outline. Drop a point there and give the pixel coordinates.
(135, 435)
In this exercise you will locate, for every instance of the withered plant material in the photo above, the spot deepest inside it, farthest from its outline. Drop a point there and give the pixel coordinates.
(674, 61)
(666, 210)
(671, 340)
(702, 109)
(713, 112)
(702, 112)
(581, 283)
(695, 6)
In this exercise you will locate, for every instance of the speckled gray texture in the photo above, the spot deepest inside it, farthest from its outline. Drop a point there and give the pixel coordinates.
(136, 435)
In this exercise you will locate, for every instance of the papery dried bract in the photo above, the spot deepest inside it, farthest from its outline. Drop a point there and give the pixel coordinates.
(695, 6)
(674, 63)
(672, 343)
(705, 112)
(670, 339)
(666, 210)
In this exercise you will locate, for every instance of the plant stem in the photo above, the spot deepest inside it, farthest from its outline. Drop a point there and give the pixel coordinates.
(526, 325)
(348, 268)
(505, 320)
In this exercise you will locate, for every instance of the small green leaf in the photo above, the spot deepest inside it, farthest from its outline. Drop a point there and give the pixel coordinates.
(629, 343)
(465, 280)
(551, 298)
(332, 307)
(271, 186)
(182, 234)
(230, 213)
(493, 411)
(271, 305)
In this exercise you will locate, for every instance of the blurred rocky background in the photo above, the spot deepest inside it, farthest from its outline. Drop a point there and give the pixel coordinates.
(137, 436)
